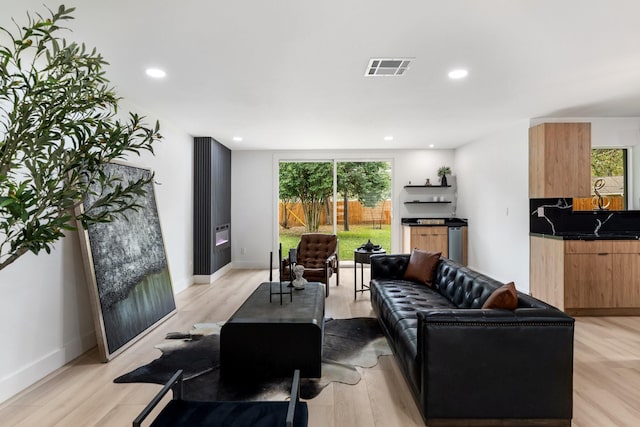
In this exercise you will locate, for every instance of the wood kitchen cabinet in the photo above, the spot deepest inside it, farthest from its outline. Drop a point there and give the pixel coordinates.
(434, 239)
(626, 273)
(560, 160)
(587, 273)
(598, 277)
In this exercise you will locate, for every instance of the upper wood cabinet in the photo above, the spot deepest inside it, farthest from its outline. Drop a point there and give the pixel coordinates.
(560, 160)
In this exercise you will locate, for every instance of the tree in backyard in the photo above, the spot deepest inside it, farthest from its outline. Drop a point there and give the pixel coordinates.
(607, 162)
(311, 183)
(368, 182)
(288, 195)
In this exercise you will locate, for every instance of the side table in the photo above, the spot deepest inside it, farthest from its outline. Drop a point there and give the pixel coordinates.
(362, 256)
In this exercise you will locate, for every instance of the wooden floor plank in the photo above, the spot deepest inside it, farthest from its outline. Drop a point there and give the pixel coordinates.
(82, 393)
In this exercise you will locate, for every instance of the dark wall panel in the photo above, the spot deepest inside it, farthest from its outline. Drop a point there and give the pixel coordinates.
(212, 203)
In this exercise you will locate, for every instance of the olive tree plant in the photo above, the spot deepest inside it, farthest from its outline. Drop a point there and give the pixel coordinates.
(58, 125)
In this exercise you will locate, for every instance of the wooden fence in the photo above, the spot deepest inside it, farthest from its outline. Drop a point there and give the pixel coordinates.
(585, 204)
(358, 214)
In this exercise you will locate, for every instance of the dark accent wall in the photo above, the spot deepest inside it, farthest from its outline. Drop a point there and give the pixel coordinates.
(211, 203)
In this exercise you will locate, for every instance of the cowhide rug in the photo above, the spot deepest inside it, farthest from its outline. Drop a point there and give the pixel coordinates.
(348, 343)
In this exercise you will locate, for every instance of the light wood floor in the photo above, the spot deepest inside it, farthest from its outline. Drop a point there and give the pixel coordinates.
(606, 376)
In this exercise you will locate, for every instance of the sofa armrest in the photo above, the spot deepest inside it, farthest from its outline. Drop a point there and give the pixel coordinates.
(389, 266)
(496, 363)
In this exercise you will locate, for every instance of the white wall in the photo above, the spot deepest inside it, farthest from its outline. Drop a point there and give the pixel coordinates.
(492, 178)
(416, 166)
(254, 193)
(45, 316)
(252, 208)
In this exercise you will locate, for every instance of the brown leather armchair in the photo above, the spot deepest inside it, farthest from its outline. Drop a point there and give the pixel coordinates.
(318, 253)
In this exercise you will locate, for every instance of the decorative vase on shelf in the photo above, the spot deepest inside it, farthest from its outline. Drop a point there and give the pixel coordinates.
(442, 173)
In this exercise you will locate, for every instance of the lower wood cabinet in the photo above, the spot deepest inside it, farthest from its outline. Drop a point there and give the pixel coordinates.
(626, 270)
(432, 238)
(588, 273)
(587, 277)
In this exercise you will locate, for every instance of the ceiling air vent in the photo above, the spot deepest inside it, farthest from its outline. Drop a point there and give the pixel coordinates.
(387, 67)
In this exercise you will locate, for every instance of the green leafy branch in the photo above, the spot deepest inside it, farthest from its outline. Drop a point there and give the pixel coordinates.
(58, 127)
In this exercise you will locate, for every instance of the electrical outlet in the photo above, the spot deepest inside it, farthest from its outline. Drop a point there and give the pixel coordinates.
(541, 212)
(243, 251)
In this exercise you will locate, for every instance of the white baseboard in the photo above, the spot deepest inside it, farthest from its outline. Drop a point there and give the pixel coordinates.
(252, 265)
(33, 372)
(210, 278)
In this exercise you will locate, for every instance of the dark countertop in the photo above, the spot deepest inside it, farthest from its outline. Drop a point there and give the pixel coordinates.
(613, 235)
(448, 222)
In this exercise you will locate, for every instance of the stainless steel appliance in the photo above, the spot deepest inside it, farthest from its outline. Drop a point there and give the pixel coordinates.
(455, 244)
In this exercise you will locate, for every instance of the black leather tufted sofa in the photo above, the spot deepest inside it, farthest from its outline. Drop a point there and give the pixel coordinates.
(469, 366)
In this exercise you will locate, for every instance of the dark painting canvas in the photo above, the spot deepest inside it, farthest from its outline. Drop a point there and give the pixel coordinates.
(127, 263)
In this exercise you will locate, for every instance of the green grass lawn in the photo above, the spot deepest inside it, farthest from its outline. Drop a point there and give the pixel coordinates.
(349, 240)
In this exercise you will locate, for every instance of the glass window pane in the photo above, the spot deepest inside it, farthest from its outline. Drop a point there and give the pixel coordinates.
(608, 181)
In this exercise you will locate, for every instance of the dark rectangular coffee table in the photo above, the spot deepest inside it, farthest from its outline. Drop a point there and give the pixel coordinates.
(269, 340)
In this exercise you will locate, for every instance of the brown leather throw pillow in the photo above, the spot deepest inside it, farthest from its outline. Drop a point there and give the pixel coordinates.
(422, 266)
(505, 297)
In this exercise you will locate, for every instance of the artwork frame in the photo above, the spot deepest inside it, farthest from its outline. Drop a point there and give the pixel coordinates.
(126, 269)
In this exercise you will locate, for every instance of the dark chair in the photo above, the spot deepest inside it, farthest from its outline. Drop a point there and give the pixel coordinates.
(179, 412)
(318, 253)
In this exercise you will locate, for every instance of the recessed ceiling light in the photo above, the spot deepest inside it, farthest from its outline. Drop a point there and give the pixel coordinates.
(156, 73)
(237, 138)
(431, 145)
(388, 138)
(458, 74)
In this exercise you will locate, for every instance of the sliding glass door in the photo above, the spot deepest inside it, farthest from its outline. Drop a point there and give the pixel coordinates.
(350, 199)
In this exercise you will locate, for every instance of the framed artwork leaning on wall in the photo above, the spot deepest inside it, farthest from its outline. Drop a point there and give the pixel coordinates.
(126, 268)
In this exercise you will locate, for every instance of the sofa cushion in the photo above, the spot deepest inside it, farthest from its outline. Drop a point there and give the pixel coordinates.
(505, 297)
(422, 266)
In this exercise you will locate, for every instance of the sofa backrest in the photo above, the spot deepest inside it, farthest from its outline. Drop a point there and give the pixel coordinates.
(462, 286)
(467, 288)
(389, 266)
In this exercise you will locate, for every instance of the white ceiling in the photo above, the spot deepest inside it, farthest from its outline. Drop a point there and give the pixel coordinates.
(289, 74)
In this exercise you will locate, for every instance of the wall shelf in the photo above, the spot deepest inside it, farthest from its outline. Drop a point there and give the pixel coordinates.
(426, 186)
(419, 203)
(425, 201)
